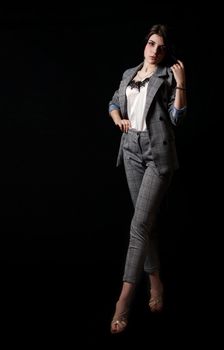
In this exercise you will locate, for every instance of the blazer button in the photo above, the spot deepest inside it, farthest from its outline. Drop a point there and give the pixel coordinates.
(165, 142)
(160, 118)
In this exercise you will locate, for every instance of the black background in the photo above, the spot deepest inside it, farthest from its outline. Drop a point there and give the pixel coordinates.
(65, 207)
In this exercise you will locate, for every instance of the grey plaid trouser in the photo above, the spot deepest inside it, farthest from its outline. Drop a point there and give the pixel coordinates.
(147, 188)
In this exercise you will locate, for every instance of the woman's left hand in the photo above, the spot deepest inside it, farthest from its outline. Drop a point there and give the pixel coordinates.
(179, 73)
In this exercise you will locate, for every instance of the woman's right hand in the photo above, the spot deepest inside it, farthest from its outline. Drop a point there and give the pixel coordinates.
(124, 125)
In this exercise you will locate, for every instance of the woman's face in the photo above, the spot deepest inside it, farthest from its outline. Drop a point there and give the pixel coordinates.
(155, 49)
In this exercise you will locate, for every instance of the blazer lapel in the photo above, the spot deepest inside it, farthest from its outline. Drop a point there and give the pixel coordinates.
(154, 84)
(123, 87)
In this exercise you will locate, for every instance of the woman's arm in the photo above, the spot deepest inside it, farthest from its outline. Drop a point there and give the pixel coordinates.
(123, 124)
(179, 75)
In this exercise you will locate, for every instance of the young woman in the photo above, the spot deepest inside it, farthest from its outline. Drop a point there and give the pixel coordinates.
(150, 101)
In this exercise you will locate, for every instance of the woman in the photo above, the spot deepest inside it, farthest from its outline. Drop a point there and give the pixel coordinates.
(150, 101)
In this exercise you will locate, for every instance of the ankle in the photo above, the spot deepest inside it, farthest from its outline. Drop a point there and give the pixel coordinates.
(122, 304)
(155, 282)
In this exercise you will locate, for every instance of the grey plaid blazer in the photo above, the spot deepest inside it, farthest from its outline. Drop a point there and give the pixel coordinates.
(160, 119)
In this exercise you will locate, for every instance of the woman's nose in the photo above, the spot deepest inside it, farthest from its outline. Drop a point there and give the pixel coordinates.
(156, 50)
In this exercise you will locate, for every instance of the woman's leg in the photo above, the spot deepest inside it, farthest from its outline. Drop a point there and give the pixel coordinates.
(151, 191)
(156, 292)
(120, 317)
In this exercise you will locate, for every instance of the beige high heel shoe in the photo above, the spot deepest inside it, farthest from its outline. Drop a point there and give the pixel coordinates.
(156, 302)
(119, 321)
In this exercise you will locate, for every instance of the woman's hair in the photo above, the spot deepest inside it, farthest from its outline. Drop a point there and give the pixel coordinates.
(163, 31)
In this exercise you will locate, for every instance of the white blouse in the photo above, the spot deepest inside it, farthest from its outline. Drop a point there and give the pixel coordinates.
(136, 98)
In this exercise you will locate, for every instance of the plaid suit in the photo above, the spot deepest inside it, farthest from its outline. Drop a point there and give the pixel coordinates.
(150, 159)
(158, 114)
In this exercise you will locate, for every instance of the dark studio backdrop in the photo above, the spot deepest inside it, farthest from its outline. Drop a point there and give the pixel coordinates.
(63, 201)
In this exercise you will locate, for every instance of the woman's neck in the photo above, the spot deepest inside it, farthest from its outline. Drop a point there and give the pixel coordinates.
(148, 68)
